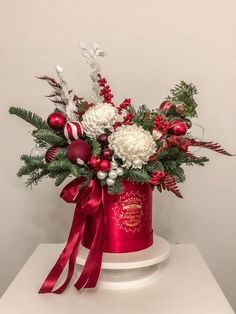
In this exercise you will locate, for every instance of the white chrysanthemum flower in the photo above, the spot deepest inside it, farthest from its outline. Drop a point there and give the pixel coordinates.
(99, 118)
(133, 145)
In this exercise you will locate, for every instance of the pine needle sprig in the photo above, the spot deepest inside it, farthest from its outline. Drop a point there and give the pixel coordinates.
(31, 164)
(35, 177)
(29, 117)
(61, 176)
(116, 188)
(43, 136)
(138, 175)
(183, 94)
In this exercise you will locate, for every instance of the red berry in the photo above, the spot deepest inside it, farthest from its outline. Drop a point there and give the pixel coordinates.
(107, 153)
(104, 165)
(94, 162)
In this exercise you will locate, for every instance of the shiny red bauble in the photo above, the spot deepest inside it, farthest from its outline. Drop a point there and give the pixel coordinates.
(178, 128)
(107, 153)
(78, 152)
(51, 153)
(94, 162)
(166, 105)
(104, 165)
(103, 139)
(56, 121)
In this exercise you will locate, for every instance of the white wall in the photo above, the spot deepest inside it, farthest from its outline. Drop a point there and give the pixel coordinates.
(152, 45)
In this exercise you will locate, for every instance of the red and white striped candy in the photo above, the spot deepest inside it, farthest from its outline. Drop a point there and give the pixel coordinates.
(73, 130)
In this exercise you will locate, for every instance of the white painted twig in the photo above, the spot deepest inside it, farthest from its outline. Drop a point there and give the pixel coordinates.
(91, 55)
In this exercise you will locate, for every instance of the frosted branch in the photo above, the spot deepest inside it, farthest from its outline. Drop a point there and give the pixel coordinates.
(91, 55)
(66, 96)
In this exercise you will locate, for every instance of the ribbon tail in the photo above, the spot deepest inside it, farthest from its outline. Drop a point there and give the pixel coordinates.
(68, 254)
(90, 273)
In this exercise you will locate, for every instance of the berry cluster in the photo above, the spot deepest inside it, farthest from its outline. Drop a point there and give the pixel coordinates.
(160, 124)
(124, 105)
(105, 90)
(128, 119)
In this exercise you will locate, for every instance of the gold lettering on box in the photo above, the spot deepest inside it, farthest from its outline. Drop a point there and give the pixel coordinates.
(131, 212)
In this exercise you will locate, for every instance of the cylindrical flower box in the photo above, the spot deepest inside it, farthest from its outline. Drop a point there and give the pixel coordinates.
(128, 225)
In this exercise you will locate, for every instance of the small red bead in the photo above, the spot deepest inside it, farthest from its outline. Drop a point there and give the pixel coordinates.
(104, 165)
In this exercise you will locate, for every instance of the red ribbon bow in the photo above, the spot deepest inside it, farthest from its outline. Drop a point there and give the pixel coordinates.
(89, 201)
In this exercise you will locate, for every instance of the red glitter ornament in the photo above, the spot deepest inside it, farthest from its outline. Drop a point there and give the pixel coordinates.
(79, 152)
(104, 165)
(178, 128)
(56, 121)
(94, 162)
(51, 153)
(107, 153)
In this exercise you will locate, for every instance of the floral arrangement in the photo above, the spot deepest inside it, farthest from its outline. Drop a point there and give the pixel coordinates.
(117, 153)
(112, 142)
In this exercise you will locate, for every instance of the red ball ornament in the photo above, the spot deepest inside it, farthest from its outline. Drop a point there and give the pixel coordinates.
(103, 139)
(178, 128)
(104, 165)
(78, 152)
(107, 153)
(51, 153)
(94, 162)
(73, 130)
(56, 121)
(166, 105)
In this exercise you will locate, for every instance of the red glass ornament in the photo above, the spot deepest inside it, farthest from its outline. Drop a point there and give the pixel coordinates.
(79, 152)
(94, 162)
(178, 128)
(104, 165)
(107, 153)
(51, 153)
(103, 139)
(56, 121)
(166, 105)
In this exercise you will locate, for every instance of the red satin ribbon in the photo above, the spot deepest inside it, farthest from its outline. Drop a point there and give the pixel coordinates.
(89, 201)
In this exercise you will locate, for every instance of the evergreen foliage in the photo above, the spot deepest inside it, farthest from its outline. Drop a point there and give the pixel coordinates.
(116, 188)
(183, 93)
(44, 137)
(138, 175)
(29, 117)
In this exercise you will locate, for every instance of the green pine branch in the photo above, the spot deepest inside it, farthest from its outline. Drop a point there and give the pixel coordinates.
(31, 164)
(35, 177)
(138, 175)
(183, 94)
(45, 136)
(60, 177)
(116, 188)
(96, 148)
(29, 117)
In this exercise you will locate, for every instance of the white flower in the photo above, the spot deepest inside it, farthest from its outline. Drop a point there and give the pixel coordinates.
(133, 145)
(99, 118)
